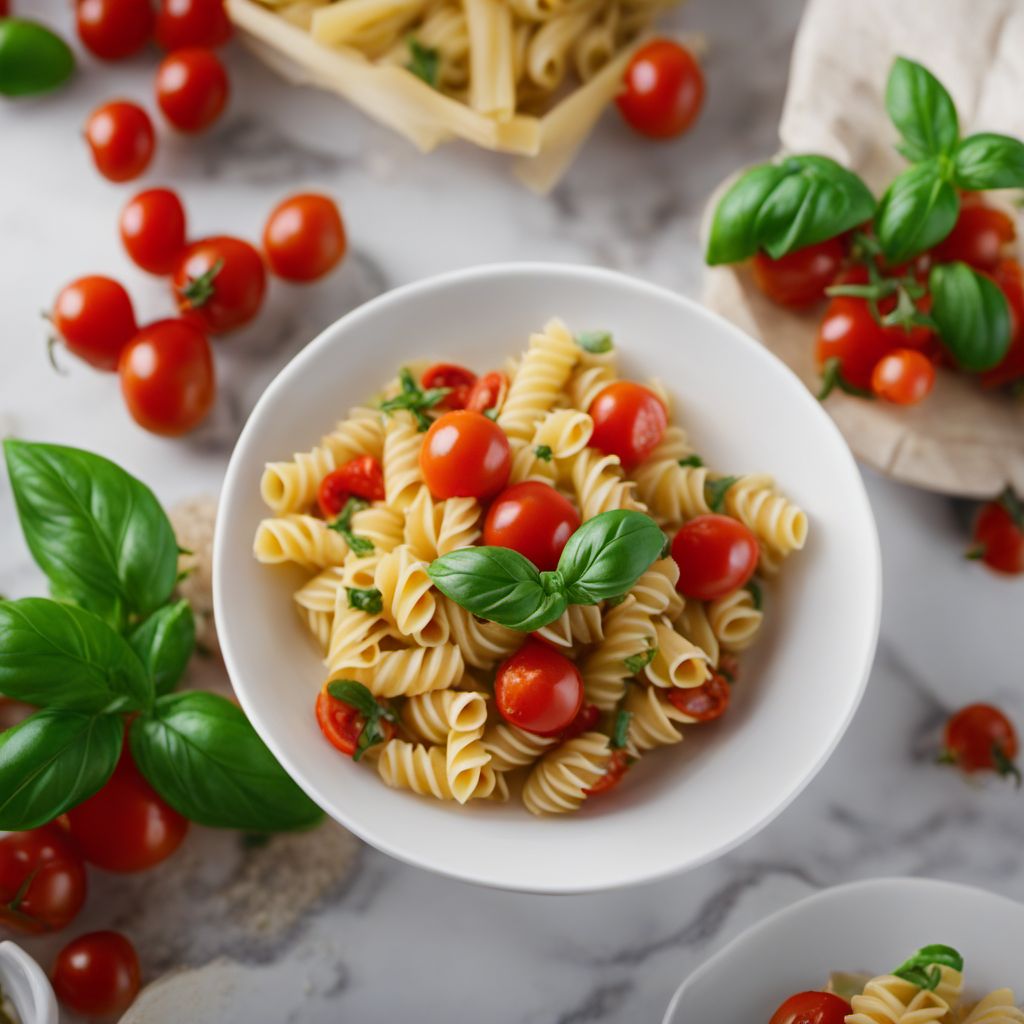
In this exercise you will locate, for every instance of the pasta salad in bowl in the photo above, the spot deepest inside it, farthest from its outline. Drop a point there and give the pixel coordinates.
(518, 569)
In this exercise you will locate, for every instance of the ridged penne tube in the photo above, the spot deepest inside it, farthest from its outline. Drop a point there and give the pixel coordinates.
(891, 1000)
(482, 643)
(578, 624)
(677, 662)
(628, 631)
(412, 670)
(596, 44)
(564, 432)
(655, 591)
(408, 597)
(431, 716)
(340, 23)
(777, 522)
(998, 1007)
(424, 770)
(434, 528)
(303, 540)
(402, 444)
(381, 525)
(559, 781)
(547, 55)
(694, 625)
(734, 619)
(599, 484)
(511, 747)
(654, 721)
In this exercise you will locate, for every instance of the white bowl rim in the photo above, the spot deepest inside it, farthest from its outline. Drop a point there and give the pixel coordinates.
(937, 886)
(757, 351)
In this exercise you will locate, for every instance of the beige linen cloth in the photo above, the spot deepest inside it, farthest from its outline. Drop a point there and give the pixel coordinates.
(960, 440)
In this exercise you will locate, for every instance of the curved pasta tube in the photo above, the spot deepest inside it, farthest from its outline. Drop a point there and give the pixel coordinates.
(694, 625)
(998, 1007)
(596, 45)
(412, 670)
(559, 781)
(676, 662)
(511, 747)
(360, 572)
(424, 770)
(588, 382)
(408, 597)
(547, 54)
(402, 444)
(465, 760)
(565, 432)
(482, 643)
(734, 620)
(431, 716)
(891, 1000)
(321, 592)
(673, 493)
(434, 528)
(655, 591)
(578, 624)
(381, 525)
(776, 521)
(628, 631)
(355, 639)
(599, 485)
(654, 721)
(319, 623)
(303, 540)
(528, 465)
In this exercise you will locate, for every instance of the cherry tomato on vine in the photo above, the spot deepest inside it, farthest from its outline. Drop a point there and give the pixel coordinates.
(703, 703)
(916, 336)
(343, 724)
(812, 1008)
(191, 89)
(361, 477)
(97, 974)
(220, 283)
(715, 554)
(465, 455)
(488, 392)
(304, 237)
(903, 377)
(114, 29)
(42, 879)
(538, 689)
(799, 278)
(618, 765)
(1009, 275)
(629, 421)
(850, 340)
(184, 23)
(533, 519)
(120, 136)
(167, 377)
(980, 237)
(94, 317)
(153, 230)
(450, 375)
(663, 90)
(980, 738)
(999, 534)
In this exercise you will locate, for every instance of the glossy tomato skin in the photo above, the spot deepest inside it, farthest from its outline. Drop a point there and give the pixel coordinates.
(533, 519)
(538, 689)
(465, 455)
(618, 765)
(304, 237)
(97, 974)
(663, 90)
(192, 89)
(998, 539)
(220, 283)
(799, 279)
(715, 554)
(114, 29)
(980, 738)
(126, 826)
(849, 333)
(167, 377)
(488, 392)
(904, 377)
(458, 379)
(1010, 277)
(703, 703)
(812, 1008)
(184, 23)
(979, 238)
(629, 421)
(120, 136)
(94, 316)
(585, 721)
(48, 861)
(153, 230)
(362, 477)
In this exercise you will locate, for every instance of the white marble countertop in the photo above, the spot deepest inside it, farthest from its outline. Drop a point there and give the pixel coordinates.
(285, 932)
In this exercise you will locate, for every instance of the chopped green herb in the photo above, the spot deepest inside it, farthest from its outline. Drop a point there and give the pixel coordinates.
(756, 594)
(638, 662)
(692, 460)
(596, 342)
(620, 734)
(492, 413)
(1012, 506)
(369, 599)
(544, 452)
(343, 525)
(414, 399)
(356, 695)
(424, 62)
(714, 491)
(924, 968)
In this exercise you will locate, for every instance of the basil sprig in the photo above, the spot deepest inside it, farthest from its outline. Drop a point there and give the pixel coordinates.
(603, 559)
(922, 111)
(917, 211)
(972, 315)
(343, 525)
(358, 696)
(414, 399)
(924, 968)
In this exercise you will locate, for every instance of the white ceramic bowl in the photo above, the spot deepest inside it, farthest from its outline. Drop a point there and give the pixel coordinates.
(867, 926)
(25, 983)
(745, 411)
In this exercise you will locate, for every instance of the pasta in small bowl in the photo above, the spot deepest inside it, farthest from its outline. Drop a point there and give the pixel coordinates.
(515, 541)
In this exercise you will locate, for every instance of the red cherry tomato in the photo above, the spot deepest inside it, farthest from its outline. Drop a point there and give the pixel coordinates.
(304, 237)
(799, 278)
(703, 703)
(812, 1008)
(5, 8)
(465, 455)
(980, 237)
(361, 477)
(916, 335)
(903, 377)
(97, 975)
(848, 333)
(617, 767)
(715, 554)
(167, 377)
(538, 689)
(999, 535)
(120, 135)
(980, 738)
(629, 421)
(153, 230)
(94, 317)
(488, 392)
(114, 29)
(220, 283)
(1010, 278)
(126, 826)
(182, 23)
(663, 90)
(191, 89)
(533, 519)
(42, 879)
(342, 724)
(587, 719)
(450, 375)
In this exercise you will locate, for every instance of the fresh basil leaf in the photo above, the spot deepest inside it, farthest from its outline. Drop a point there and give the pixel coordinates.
(424, 61)
(348, 691)
(57, 655)
(917, 211)
(98, 533)
(715, 491)
(922, 111)
(366, 599)
(786, 206)
(636, 663)
(620, 734)
(756, 594)
(597, 342)
(987, 160)
(972, 315)
(52, 761)
(692, 460)
(544, 452)
(200, 753)
(164, 644)
(501, 585)
(608, 554)
(939, 954)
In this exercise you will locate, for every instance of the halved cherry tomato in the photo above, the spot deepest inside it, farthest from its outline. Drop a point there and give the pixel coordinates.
(1010, 277)
(127, 826)
(450, 375)
(94, 317)
(980, 738)
(703, 703)
(183, 23)
(629, 421)
(533, 519)
(849, 334)
(617, 767)
(97, 975)
(715, 554)
(538, 689)
(812, 1008)
(465, 455)
(361, 477)
(799, 278)
(120, 136)
(304, 237)
(191, 89)
(586, 720)
(42, 879)
(999, 535)
(488, 392)
(167, 377)
(342, 724)
(980, 237)
(220, 283)
(663, 90)
(114, 29)
(153, 230)
(903, 377)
